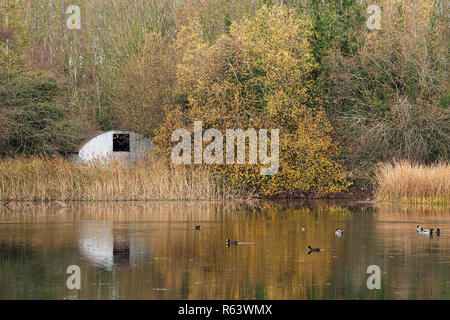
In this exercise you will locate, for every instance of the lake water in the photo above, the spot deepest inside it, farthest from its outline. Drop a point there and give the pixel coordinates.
(153, 251)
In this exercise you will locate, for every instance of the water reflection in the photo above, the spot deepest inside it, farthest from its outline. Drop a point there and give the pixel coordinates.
(97, 243)
(105, 246)
(153, 251)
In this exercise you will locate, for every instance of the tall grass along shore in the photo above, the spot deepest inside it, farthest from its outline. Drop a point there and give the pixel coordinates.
(41, 179)
(57, 178)
(414, 183)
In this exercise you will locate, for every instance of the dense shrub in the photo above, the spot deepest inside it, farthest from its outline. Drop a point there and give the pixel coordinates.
(259, 76)
(34, 120)
(389, 98)
(32, 117)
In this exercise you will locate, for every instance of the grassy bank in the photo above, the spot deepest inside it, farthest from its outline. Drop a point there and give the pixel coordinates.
(39, 179)
(406, 182)
(51, 179)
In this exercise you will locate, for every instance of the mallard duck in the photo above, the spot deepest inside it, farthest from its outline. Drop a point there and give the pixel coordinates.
(339, 232)
(427, 231)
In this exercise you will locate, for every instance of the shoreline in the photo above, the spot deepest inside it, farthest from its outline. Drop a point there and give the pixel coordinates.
(289, 201)
(58, 179)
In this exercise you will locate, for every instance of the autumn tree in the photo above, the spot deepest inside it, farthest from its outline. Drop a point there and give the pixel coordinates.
(259, 76)
(144, 90)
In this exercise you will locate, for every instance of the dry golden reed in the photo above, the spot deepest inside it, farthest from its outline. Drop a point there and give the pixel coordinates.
(407, 182)
(42, 179)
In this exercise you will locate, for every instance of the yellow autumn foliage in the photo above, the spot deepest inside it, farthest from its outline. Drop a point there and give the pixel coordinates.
(258, 76)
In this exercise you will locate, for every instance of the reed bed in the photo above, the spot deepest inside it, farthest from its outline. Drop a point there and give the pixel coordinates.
(59, 179)
(415, 183)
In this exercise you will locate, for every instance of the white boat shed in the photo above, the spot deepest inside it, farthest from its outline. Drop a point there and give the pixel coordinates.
(114, 144)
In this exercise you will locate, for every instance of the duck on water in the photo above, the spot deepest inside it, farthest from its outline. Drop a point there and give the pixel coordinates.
(430, 231)
(313, 249)
(229, 242)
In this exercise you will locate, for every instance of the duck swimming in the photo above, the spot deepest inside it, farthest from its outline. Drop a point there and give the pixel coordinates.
(313, 249)
(339, 232)
(197, 227)
(229, 242)
(419, 228)
(438, 232)
(427, 231)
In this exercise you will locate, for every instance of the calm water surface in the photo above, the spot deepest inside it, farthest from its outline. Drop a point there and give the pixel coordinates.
(152, 251)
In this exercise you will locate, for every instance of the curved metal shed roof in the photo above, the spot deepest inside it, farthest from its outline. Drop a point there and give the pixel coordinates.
(87, 136)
